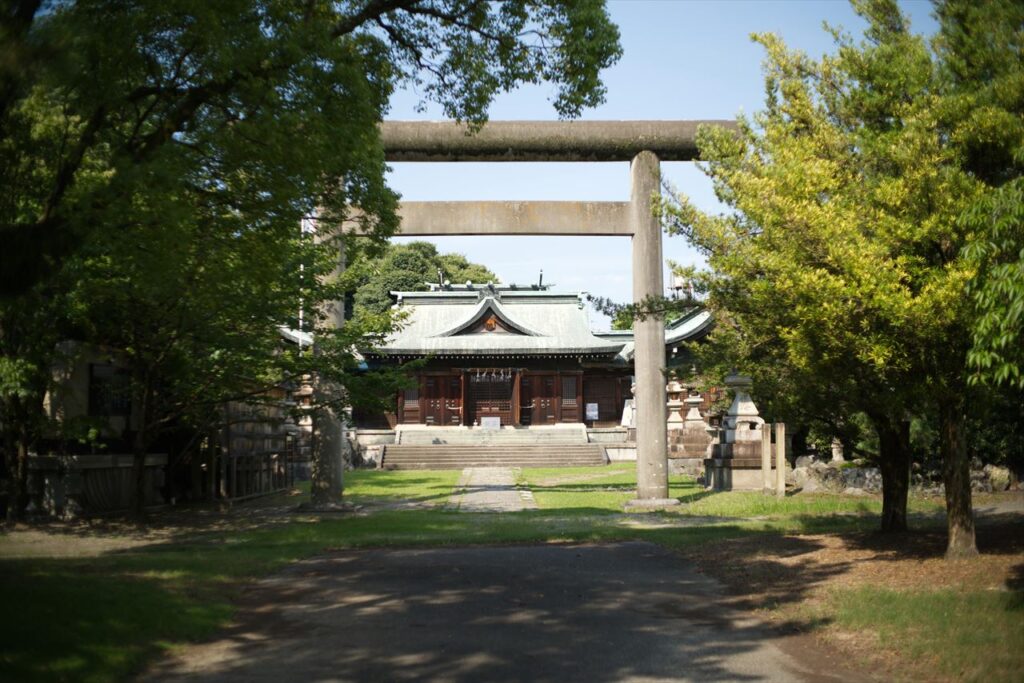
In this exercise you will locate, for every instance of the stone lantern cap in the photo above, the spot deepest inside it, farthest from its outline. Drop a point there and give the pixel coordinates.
(739, 382)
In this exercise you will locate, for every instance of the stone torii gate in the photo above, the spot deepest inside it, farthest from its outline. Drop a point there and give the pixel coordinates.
(642, 143)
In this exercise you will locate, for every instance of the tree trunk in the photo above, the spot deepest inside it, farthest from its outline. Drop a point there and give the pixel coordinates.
(956, 476)
(18, 484)
(325, 461)
(17, 449)
(141, 395)
(894, 463)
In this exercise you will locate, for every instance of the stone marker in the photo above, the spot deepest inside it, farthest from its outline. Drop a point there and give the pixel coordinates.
(767, 486)
(780, 459)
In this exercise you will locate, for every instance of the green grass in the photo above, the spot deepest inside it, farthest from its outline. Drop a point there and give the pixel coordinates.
(756, 504)
(607, 489)
(592, 490)
(966, 636)
(427, 487)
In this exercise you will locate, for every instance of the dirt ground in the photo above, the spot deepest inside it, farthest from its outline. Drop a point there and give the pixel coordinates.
(786, 578)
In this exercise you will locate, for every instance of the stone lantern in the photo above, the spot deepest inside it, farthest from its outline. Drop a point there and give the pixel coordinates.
(735, 463)
(675, 405)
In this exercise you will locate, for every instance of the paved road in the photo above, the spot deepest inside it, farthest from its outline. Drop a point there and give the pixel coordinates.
(594, 613)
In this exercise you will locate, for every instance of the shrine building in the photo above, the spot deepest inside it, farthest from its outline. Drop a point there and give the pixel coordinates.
(514, 356)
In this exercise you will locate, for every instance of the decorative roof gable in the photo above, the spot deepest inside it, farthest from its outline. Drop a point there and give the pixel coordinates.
(488, 318)
(493, 321)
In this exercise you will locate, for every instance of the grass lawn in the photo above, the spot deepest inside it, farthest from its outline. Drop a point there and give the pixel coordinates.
(425, 487)
(593, 490)
(956, 634)
(101, 613)
(607, 489)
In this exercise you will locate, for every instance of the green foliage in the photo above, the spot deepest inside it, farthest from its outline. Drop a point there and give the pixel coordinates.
(841, 278)
(828, 267)
(623, 320)
(410, 268)
(981, 47)
(100, 99)
(157, 159)
(998, 288)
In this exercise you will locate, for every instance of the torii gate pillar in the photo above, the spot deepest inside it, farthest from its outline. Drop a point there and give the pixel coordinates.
(648, 334)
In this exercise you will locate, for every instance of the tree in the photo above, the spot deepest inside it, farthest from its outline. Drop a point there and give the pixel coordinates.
(186, 124)
(118, 103)
(981, 47)
(410, 267)
(842, 264)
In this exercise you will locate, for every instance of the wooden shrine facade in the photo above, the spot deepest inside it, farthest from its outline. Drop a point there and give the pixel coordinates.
(517, 396)
(523, 355)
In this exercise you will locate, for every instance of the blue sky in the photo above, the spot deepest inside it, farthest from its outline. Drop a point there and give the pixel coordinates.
(681, 60)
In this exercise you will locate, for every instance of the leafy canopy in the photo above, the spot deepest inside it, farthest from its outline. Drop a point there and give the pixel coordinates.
(410, 268)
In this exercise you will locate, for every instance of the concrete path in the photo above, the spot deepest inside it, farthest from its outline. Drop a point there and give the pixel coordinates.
(595, 613)
(490, 489)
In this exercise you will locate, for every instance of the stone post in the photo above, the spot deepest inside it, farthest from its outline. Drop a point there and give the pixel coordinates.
(780, 460)
(648, 334)
(327, 456)
(767, 485)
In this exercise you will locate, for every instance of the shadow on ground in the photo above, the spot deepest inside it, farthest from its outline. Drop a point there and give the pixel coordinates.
(629, 611)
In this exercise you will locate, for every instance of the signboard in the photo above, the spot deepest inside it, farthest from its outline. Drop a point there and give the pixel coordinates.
(490, 422)
(592, 413)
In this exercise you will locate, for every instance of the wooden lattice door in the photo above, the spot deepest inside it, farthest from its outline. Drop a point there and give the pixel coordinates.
(433, 401)
(537, 400)
(491, 397)
(453, 401)
(569, 399)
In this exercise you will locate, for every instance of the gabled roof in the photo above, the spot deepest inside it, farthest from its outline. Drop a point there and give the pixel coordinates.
(489, 306)
(693, 325)
(538, 323)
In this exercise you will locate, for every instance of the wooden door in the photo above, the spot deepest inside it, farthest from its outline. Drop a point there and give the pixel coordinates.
(526, 385)
(433, 400)
(409, 405)
(542, 403)
(569, 399)
(453, 400)
(602, 391)
(491, 396)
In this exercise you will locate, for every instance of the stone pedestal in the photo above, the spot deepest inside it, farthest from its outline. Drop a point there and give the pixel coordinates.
(735, 463)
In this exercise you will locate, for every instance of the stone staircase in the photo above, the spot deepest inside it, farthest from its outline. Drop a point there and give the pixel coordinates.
(442, 448)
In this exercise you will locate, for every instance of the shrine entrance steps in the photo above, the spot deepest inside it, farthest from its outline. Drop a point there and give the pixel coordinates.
(437, 448)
